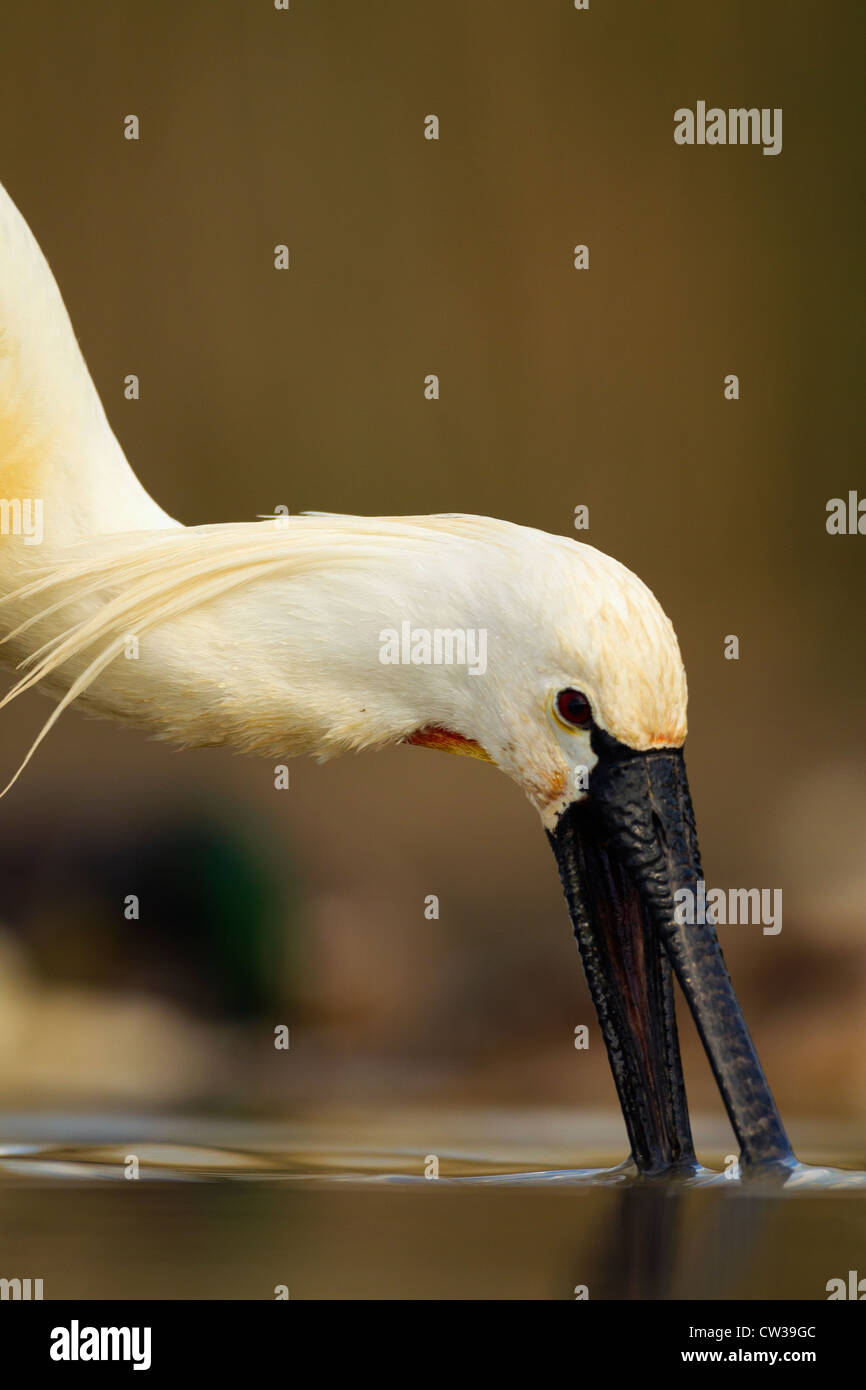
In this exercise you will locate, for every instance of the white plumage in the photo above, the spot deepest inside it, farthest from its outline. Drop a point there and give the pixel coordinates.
(267, 635)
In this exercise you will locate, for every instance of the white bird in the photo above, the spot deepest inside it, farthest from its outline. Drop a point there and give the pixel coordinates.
(318, 635)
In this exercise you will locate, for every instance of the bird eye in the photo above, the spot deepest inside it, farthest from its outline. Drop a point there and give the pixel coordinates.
(574, 708)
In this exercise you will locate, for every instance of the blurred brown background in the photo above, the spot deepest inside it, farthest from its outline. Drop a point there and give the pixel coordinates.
(410, 257)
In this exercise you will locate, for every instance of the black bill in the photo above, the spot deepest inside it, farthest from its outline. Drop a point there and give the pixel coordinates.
(622, 855)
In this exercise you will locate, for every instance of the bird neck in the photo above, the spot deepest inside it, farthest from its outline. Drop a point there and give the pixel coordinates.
(63, 475)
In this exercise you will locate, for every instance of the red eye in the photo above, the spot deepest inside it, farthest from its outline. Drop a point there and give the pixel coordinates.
(573, 708)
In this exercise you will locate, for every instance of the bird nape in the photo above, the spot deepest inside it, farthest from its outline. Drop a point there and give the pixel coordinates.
(273, 637)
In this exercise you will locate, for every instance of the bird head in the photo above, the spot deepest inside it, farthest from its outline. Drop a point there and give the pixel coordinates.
(578, 656)
(583, 703)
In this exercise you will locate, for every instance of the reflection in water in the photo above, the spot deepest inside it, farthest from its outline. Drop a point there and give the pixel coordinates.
(637, 1253)
(340, 1209)
(658, 1246)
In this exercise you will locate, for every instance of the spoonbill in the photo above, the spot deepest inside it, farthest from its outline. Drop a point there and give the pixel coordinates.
(269, 637)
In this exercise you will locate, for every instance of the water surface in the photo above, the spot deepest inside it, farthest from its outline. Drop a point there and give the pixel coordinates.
(340, 1207)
